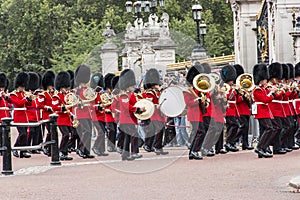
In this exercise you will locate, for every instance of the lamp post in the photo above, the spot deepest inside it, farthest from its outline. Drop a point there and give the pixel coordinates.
(148, 6)
(203, 33)
(197, 17)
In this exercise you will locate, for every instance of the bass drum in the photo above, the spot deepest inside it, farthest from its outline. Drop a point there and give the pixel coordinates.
(172, 102)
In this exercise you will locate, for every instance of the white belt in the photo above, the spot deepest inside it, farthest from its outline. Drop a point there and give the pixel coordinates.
(4, 108)
(290, 101)
(231, 102)
(20, 108)
(261, 103)
(85, 104)
(277, 101)
(296, 99)
(285, 102)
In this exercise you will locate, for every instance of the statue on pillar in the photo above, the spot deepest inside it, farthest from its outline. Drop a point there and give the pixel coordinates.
(108, 33)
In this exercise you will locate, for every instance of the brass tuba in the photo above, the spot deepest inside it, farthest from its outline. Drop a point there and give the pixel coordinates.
(245, 82)
(204, 82)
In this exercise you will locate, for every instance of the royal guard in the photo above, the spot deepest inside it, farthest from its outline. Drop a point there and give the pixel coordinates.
(98, 115)
(228, 75)
(62, 108)
(276, 107)
(110, 121)
(83, 114)
(261, 110)
(5, 105)
(45, 103)
(194, 113)
(243, 108)
(33, 112)
(155, 128)
(128, 121)
(297, 102)
(20, 100)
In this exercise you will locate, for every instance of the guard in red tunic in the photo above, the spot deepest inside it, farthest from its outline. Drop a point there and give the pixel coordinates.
(297, 102)
(155, 128)
(128, 121)
(20, 101)
(45, 103)
(194, 113)
(261, 109)
(111, 126)
(64, 121)
(83, 114)
(275, 74)
(228, 75)
(33, 112)
(5, 105)
(98, 115)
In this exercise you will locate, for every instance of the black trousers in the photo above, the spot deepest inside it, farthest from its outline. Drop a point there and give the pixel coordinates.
(74, 139)
(120, 139)
(212, 134)
(100, 140)
(286, 133)
(22, 137)
(46, 126)
(84, 131)
(243, 130)
(111, 133)
(266, 132)
(130, 139)
(33, 136)
(220, 142)
(278, 128)
(199, 132)
(66, 132)
(292, 132)
(232, 126)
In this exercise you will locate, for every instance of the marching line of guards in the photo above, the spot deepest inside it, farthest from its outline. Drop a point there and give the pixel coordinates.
(274, 101)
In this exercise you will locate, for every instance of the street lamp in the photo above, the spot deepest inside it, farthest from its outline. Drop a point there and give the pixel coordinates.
(146, 5)
(197, 17)
(203, 32)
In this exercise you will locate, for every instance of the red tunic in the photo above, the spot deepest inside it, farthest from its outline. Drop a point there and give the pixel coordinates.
(4, 108)
(217, 111)
(115, 109)
(194, 113)
(83, 111)
(209, 107)
(44, 102)
(261, 99)
(285, 103)
(293, 96)
(153, 96)
(233, 99)
(242, 106)
(33, 111)
(276, 105)
(20, 102)
(64, 117)
(97, 115)
(126, 102)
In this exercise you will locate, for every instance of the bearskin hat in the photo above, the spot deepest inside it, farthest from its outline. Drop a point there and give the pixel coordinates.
(275, 70)
(62, 80)
(127, 79)
(72, 75)
(152, 78)
(292, 70)
(34, 81)
(206, 67)
(48, 79)
(97, 80)
(3, 80)
(285, 71)
(114, 82)
(239, 69)
(21, 80)
(260, 72)
(297, 69)
(40, 78)
(228, 73)
(194, 71)
(107, 80)
(82, 74)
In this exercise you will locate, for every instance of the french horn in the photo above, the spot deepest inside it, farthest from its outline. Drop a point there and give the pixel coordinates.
(71, 100)
(89, 94)
(106, 99)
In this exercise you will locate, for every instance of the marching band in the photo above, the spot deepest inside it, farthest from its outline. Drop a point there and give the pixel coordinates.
(216, 105)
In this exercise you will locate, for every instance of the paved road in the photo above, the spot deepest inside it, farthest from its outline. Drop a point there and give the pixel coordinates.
(232, 176)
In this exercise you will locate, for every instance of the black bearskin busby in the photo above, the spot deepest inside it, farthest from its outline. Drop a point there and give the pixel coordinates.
(48, 79)
(239, 69)
(152, 78)
(72, 75)
(292, 70)
(21, 80)
(228, 73)
(62, 80)
(114, 82)
(127, 79)
(40, 78)
(97, 80)
(260, 72)
(297, 69)
(285, 71)
(206, 67)
(3, 80)
(275, 71)
(34, 81)
(82, 74)
(194, 71)
(107, 80)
